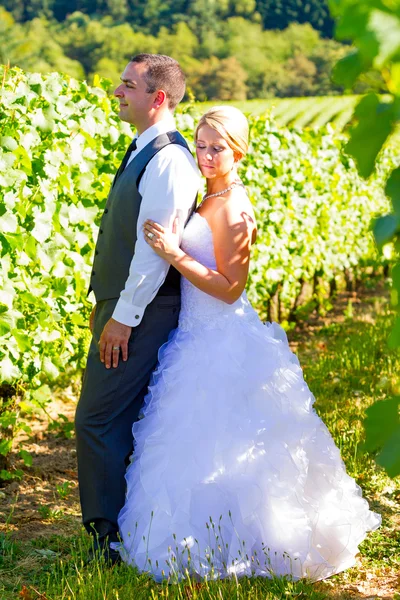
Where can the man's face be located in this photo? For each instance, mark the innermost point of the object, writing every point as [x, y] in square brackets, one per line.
[135, 103]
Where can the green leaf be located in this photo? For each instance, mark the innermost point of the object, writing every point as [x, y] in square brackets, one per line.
[393, 82]
[395, 273]
[23, 159]
[77, 319]
[347, 70]
[375, 123]
[8, 419]
[26, 457]
[392, 189]
[352, 18]
[6, 322]
[24, 341]
[5, 447]
[394, 337]
[31, 247]
[386, 28]
[9, 475]
[49, 368]
[8, 371]
[8, 223]
[389, 458]
[384, 228]
[382, 421]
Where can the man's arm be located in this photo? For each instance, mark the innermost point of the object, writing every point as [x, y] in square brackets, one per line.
[168, 188]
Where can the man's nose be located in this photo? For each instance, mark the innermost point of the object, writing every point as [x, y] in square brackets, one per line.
[118, 92]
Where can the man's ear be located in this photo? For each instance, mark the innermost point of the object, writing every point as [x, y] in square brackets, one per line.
[160, 99]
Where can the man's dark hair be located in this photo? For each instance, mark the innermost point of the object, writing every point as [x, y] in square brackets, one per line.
[163, 73]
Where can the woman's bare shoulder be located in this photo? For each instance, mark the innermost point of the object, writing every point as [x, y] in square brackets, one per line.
[235, 209]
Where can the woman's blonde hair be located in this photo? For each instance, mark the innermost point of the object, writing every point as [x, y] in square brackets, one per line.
[231, 124]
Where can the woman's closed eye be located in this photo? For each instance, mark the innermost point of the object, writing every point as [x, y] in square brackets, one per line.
[215, 148]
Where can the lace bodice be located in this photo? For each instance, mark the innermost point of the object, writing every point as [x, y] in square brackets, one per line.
[199, 308]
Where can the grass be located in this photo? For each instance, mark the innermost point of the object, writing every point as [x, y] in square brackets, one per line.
[347, 366]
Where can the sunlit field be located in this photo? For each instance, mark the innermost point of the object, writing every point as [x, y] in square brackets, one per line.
[311, 112]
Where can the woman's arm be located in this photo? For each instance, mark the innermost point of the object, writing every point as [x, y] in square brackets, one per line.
[232, 231]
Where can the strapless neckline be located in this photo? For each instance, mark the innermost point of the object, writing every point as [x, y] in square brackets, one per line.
[203, 219]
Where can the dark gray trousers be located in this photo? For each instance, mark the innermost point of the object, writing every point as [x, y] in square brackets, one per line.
[110, 403]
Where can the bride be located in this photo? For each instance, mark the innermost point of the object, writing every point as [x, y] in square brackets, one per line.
[233, 472]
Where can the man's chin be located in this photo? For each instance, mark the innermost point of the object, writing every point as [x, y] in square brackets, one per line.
[123, 114]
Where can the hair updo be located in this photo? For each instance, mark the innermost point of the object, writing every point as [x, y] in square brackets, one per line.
[231, 124]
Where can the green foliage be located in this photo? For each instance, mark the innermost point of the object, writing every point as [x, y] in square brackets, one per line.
[216, 44]
[374, 28]
[60, 144]
[150, 15]
[293, 62]
[31, 47]
[64, 490]
[278, 14]
[219, 80]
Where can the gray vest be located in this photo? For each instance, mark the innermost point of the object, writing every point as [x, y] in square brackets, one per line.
[117, 234]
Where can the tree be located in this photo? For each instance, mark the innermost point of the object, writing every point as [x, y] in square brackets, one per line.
[219, 80]
[230, 80]
[90, 41]
[258, 52]
[11, 37]
[324, 56]
[118, 9]
[109, 69]
[180, 42]
[16, 8]
[279, 14]
[301, 77]
[32, 48]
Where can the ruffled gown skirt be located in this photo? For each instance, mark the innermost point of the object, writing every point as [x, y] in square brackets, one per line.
[233, 472]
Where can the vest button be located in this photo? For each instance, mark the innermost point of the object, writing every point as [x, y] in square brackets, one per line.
[106, 210]
[101, 231]
[137, 317]
[96, 251]
[93, 272]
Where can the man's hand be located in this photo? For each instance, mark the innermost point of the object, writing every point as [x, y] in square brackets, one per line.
[91, 318]
[113, 340]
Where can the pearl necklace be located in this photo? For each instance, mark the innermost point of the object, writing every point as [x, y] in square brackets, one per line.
[238, 182]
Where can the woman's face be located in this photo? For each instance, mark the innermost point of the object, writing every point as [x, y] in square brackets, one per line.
[214, 156]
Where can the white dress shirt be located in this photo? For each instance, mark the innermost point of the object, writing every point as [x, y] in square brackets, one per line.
[168, 188]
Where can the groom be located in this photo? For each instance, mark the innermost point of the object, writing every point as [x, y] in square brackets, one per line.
[137, 295]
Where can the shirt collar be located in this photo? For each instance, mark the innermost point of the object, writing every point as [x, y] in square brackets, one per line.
[166, 124]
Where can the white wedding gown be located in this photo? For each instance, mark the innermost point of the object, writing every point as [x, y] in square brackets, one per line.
[233, 471]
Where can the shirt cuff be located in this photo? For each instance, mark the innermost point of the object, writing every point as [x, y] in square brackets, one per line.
[128, 314]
